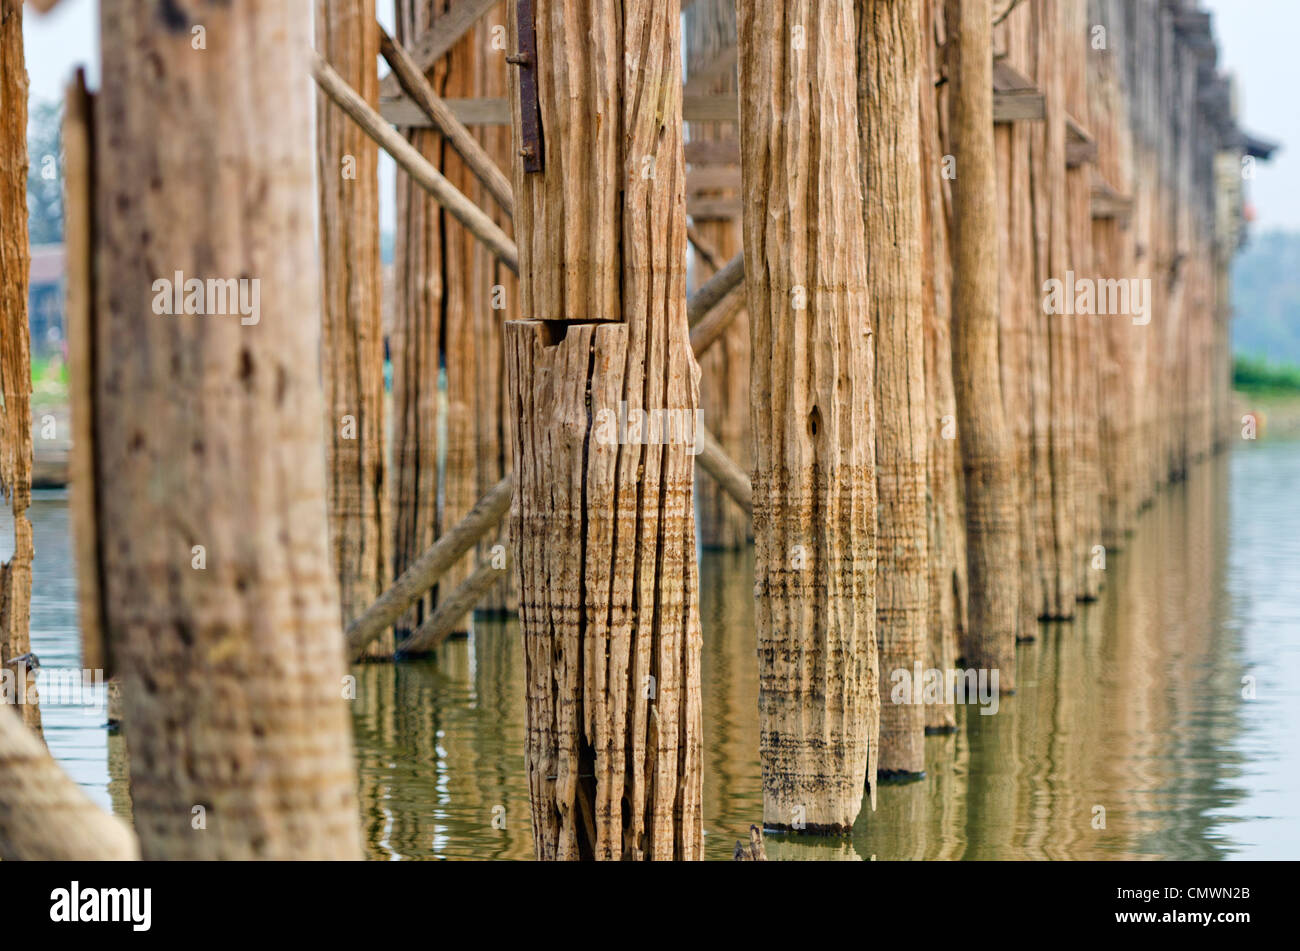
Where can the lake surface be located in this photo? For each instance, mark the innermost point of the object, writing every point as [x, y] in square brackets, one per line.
[1138, 707]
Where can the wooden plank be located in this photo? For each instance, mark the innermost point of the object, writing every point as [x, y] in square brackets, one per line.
[399, 110]
[1019, 106]
[712, 178]
[713, 152]
[713, 209]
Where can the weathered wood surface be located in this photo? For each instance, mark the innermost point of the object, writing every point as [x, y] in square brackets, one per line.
[988, 460]
[463, 295]
[498, 290]
[15, 357]
[811, 393]
[604, 529]
[1021, 340]
[415, 346]
[945, 516]
[209, 430]
[889, 67]
[352, 344]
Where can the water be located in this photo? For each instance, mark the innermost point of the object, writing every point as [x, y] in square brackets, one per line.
[1136, 707]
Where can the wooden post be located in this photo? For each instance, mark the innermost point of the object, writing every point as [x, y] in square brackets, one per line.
[992, 534]
[946, 524]
[811, 394]
[352, 346]
[603, 519]
[1020, 312]
[15, 366]
[889, 64]
[219, 595]
[415, 347]
[724, 374]
[1053, 430]
[498, 301]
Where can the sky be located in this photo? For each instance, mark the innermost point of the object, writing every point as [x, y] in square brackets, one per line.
[1256, 43]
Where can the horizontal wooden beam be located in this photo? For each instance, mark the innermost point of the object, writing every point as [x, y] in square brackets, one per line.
[713, 209]
[401, 111]
[1107, 202]
[1019, 106]
[1079, 145]
[712, 178]
[713, 152]
[398, 109]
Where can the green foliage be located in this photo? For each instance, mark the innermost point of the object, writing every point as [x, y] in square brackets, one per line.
[1258, 375]
[1266, 297]
[45, 173]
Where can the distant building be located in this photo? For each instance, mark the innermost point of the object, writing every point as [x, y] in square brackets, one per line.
[45, 299]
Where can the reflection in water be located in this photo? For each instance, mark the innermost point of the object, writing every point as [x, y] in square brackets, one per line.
[1134, 708]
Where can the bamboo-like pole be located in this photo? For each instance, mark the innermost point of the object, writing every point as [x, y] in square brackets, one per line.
[425, 571]
[415, 164]
[440, 114]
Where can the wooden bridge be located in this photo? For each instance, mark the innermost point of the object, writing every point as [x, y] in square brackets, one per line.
[946, 280]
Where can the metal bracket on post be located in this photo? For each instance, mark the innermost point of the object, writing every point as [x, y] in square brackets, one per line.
[530, 111]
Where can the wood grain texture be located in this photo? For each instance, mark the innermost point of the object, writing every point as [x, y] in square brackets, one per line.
[209, 431]
[15, 356]
[945, 516]
[1020, 330]
[812, 405]
[988, 460]
[498, 288]
[604, 527]
[1054, 424]
[889, 64]
[415, 349]
[352, 345]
